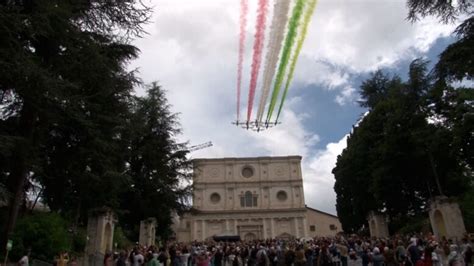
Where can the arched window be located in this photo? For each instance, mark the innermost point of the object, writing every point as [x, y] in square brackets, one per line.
[248, 200]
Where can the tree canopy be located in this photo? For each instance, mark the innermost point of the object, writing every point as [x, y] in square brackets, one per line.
[415, 141]
[403, 151]
[156, 163]
[69, 120]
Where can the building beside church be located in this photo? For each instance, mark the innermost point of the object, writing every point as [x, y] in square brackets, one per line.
[255, 198]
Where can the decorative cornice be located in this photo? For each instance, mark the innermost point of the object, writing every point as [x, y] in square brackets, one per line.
[248, 159]
[249, 211]
[263, 183]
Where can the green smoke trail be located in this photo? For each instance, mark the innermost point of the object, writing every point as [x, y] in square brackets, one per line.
[299, 45]
[285, 55]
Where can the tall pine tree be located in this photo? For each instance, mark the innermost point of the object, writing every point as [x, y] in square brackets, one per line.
[156, 163]
[63, 79]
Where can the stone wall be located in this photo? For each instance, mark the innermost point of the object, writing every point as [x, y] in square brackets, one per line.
[378, 225]
[100, 235]
[446, 219]
[259, 197]
[220, 184]
[322, 224]
[248, 225]
[147, 232]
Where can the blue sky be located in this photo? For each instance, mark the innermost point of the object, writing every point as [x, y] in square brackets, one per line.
[331, 120]
[191, 50]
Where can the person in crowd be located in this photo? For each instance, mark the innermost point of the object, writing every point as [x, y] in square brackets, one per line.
[377, 257]
[468, 256]
[365, 257]
[122, 259]
[389, 256]
[413, 251]
[108, 259]
[324, 258]
[343, 252]
[203, 258]
[300, 258]
[63, 259]
[289, 256]
[272, 256]
[138, 258]
[454, 258]
[25, 260]
[151, 260]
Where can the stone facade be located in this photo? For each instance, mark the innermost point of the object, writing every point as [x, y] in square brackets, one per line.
[378, 225]
[321, 223]
[100, 235]
[255, 198]
[446, 219]
[147, 232]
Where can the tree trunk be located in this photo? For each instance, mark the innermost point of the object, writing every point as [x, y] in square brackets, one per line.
[19, 172]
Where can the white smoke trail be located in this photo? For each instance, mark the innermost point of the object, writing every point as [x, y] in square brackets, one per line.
[277, 30]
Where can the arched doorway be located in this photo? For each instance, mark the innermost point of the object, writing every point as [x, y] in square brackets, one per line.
[250, 237]
[107, 243]
[439, 223]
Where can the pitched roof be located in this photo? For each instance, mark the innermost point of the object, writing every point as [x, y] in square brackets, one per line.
[325, 213]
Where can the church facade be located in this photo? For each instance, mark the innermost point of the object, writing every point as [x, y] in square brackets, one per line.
[255, 198]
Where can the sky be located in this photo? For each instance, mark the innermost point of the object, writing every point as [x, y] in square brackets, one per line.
[191, 50]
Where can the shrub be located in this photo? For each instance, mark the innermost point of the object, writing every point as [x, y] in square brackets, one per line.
[45, 233]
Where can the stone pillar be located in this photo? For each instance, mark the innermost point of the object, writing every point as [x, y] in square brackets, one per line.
[446, 218]
[264, 224]
[295, 220]
[147, 232]
[378, 225]
[194, 228]
[100, 236]
[236, 229]
[305, 227]
[272, 224]
[203, 230]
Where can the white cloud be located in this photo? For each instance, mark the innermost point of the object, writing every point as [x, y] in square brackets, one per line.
[366, 35]
[318, 179]
[360, 36]
[347, 94]
[275, 141]
[191, 50]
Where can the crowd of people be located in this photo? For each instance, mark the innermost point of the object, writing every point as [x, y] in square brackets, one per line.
[334, 251]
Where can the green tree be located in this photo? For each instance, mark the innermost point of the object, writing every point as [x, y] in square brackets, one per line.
[156, 163]
[45, 234]
[63, 76]
[396, 159]
[445, 10]
[424, 125]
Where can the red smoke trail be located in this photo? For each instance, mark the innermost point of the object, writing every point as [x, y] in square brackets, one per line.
[243, 24]
[257, 52]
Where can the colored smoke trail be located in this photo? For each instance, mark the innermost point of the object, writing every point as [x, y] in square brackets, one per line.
[289, 41]
[299, 45]
[243, 24]
[280, 17]
[257, 52]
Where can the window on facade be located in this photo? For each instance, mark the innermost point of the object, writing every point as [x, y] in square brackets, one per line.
[215, 198]
[332, 227]
[312, 228]
[281, 195]
[248, 200]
